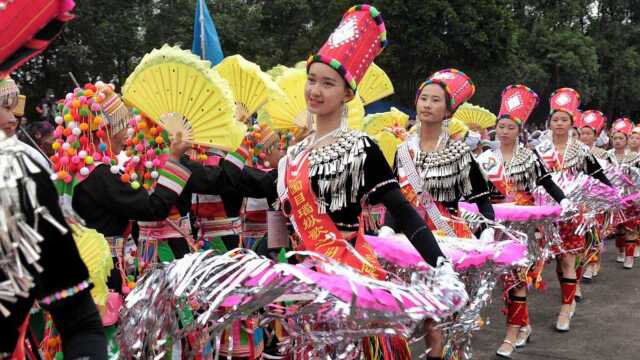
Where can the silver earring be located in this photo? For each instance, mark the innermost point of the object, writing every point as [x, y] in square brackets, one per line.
[345, 116]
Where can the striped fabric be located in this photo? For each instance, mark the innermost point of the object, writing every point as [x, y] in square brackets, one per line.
[173, 176]
[238, 157]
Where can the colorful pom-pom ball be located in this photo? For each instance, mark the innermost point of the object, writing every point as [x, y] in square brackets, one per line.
[75, 103]
[151, 153]
[53, 177]
[84, 171]
[88, 160]
[148, 164]
[135, 159]
[135, 185]
[95, 107]
[154, 174]
[153, 131]
[156, 162]
[102, 147]
[66, 146]
[130, 132]
[101, 133]
[159, 140]
[114, 169]
[75, 159]
[97, 121]
[84, 140]
[125, 178]
[68, 179]
[97, 156]
[55, 146]
[76, 131]
[139, 148]
[59, 120]
[134, 176]
[57, 133]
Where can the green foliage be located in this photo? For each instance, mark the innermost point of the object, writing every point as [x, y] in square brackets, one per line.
[590, 45]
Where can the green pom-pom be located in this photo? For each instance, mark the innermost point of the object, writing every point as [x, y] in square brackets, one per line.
[135, 185]
[374, 12]
[158, 151]
[76, 145]
[135, 111]
[83, 111]
[140, 136]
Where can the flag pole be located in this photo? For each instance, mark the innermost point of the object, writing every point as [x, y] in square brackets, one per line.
[202, 33]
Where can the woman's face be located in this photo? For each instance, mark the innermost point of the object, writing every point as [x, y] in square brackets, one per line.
[432, 104]
[634, 141]
[507, 131]
[587, 136]
[8, 121]
[619, 140]
[560, 123]
[325, 91]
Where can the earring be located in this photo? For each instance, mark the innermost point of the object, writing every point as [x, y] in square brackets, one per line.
[345, 115]
[309, 121]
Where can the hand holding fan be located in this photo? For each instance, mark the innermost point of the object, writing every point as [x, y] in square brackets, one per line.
[251, 87]
[184, 95]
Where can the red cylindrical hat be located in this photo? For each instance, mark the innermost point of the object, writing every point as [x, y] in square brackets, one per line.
[354, 44]
[457, 84]
[593, 119]
[565, 99]
[518, 102]
[622, 125]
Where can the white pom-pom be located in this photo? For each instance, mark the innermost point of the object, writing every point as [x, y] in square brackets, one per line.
[59, 120]
[114, 169]
[82, 154]
[148, 164]
[66, 146]
[84, 171]
[76, 131]
[135, 159]
[71, 125]
[134, 177]
[53, 177]
[154, 174]
[130, 132]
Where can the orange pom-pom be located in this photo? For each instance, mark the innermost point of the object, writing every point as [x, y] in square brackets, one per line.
[75, 103]
[125, 178]
[153, 131]
[142, 125]
[159, 140]
[84, 127]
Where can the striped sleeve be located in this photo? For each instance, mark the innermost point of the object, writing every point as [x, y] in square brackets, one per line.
[238, 158]
[173, 176]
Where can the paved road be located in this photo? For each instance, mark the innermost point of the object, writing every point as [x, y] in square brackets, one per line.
[606, 325]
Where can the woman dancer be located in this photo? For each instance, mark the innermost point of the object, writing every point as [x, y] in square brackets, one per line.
[563, 153]
[515, 171]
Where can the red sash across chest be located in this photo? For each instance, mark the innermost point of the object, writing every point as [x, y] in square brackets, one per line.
[317, 231]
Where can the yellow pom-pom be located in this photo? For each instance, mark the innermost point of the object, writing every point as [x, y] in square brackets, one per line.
[159, 140]
[55, 146]
[68, 117]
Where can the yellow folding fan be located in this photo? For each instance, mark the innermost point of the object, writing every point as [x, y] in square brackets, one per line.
[182, 93]
[375, 85]
[457, 129]
[475, 117]
[388, 143]
[290, 111]
[250, 85]
[375, 123]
